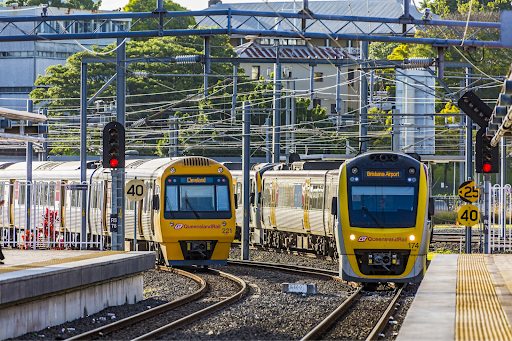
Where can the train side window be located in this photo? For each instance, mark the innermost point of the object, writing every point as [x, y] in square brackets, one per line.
[297, 196]
[239, 193]
[266, 194]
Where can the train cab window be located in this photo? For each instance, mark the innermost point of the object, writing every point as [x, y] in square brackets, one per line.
[382, 206]
[192, 197]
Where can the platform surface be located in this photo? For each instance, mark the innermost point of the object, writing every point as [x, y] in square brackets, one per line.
[28, 274]
[462, 297]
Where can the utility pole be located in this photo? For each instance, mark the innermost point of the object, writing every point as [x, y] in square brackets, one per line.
[121, 118]
[363, 108]
[246, 170]
[277, 108]
[30, 108]
[83, 153]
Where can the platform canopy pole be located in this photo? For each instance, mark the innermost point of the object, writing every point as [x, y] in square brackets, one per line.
[83, 155]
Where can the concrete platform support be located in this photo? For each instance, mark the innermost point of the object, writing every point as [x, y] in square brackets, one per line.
[20, 318]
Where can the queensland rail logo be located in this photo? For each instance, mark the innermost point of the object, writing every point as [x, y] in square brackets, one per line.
[362, 239]
[201, 226]
[178, 226]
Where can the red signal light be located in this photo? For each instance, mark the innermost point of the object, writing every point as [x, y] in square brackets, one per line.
[487, 167]
[114, 163]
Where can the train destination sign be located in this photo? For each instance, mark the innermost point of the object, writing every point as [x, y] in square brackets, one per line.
[468, 192]
[382, 174]
[469, 215]
[136, 190]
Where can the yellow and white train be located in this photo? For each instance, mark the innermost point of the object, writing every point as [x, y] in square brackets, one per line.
[373, 212]
[187, 215]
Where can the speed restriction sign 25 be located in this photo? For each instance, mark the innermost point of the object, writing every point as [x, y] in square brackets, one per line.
[135, 190]
[469, 215]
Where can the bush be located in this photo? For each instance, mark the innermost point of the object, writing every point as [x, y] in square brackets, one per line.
[445, 217]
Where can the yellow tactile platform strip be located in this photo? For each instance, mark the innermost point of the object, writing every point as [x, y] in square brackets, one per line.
[479, 315]
[57, 261]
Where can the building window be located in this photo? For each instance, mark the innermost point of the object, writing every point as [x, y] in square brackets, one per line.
[319, 76]
[255, 72]
[333, 108]
[14, 90]
[351, 77]
[317, 102]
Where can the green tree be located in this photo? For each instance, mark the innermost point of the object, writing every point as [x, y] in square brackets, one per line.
[152, 24]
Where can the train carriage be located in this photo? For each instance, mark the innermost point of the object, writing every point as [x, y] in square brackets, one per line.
[187, 214]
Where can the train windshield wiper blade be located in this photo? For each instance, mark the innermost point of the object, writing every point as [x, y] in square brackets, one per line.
[191, 207]
[372, 216]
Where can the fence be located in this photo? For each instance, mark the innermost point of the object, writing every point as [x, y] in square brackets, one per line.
[447, 203]
[53, 217]
[500, 222]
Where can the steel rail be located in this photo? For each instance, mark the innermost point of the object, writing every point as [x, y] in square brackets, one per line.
[201, 313]
[323, 326]
[374, 334]
[109, 328]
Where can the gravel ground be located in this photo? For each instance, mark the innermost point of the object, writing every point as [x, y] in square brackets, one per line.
[219, 288]
[159, 287]
[266, 313]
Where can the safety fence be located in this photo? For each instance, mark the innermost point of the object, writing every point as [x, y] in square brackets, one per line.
[500, 219]
[47, 215]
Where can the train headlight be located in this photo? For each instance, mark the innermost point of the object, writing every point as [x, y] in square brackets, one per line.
[412, 237]
[355, 170]
[352, 237]
[412, 170]
[220, 170]
[173, 170]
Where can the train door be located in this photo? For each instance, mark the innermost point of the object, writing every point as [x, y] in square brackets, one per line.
[273, 203]
[329, 194]
[305, 206]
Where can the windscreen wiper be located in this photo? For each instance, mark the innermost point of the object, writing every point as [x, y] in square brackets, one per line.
[168, 203]
[191, 207]
[372, 216]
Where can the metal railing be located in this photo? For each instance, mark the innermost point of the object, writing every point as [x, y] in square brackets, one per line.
[500, 220]
[47, 215]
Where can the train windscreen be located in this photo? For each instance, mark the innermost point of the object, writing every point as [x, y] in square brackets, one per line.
[197, 197]
[382, 206]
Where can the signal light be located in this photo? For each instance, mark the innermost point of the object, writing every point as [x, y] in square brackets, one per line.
[113, 145]
[475, 108]
[487, 158]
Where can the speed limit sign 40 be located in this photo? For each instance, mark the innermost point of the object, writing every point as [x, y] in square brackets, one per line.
[135, 190]
[469, 215]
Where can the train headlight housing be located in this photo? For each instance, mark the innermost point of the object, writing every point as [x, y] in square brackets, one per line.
[220, 170]
[352, 237]
[223, 223]
[171, 223]
[412, 237]
[354, 170]
[173, 170]
[412, 170]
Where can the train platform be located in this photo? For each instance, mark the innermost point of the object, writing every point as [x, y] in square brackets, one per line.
[462, 297]
[41, 288]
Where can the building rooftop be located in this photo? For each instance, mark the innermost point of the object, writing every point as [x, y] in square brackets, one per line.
[254, 50]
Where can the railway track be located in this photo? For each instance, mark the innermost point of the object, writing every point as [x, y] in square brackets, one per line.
[323, 327]
[103, 331]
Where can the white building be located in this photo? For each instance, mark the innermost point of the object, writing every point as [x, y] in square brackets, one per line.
[21, 62]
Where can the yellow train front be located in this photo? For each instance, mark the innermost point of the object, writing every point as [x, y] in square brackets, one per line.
[383, 222]
[196, 211]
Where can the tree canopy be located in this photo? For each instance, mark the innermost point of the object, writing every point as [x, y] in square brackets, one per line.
[80, 4]
[152, 24]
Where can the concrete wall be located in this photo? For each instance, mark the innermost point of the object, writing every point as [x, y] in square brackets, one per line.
[19, 319]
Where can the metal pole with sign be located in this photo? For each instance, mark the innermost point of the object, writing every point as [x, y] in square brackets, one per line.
[469, 193]
[135, 190]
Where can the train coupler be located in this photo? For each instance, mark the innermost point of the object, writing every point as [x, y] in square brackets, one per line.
[197, 249]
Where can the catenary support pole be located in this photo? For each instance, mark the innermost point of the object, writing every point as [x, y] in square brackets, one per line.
[83, 154]
[268, 153]
[287, 119]
[276, 143]
[487, 212]
[469, 135]
[363, 106]
[235, 93]
[173, 136]
[338, 98]
[246, 169]
[312, 84]
[121, 118]
[207, 60]
[30, 108]
[292, 118]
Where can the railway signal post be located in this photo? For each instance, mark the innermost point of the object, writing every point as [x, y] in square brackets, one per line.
[470, 194]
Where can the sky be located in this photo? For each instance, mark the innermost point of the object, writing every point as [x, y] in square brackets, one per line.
[194, 5]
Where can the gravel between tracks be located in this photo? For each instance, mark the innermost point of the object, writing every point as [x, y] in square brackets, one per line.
[159, 287]
[266, 313]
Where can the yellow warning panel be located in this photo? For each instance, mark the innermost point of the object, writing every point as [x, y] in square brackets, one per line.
[468, 191]
[479, 314]
[469, 215]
